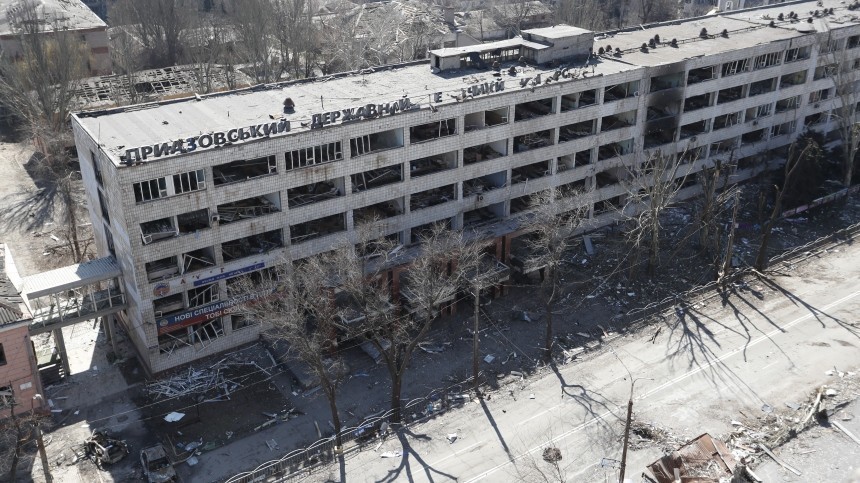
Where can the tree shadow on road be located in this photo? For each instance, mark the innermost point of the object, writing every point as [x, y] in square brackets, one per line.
[820, 315]
[404, 469]
[495, 426]
[595, 407]
[689, 337]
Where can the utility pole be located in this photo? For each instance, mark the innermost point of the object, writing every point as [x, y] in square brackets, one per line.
[41, 445]
[629, 417]
[475, 341]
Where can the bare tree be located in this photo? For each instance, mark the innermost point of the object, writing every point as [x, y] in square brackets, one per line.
[298, 307]
[590, 14]
[430, 276]
[554, 221]
[711, 206]
[211, 50]
[511, 14]
[161, 26]
[125, 55]
[651, 188]
[797, 157]
[38, 83]
[657, 10]
[254, 24]
[296, 34]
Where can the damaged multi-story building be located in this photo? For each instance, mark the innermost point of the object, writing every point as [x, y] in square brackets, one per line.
[190, 194]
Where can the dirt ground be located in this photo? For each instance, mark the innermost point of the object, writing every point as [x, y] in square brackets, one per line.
[31, 214]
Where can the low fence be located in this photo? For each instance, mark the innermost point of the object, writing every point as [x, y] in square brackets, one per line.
[635, 317]
[299, 463]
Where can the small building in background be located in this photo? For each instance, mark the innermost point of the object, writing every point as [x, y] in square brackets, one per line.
[19, 375]
[70, 15]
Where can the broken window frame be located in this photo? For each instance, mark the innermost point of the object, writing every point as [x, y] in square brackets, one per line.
[189, 182]
[770, 59]
[7, 397]
[783, 129]
[361, 145]
[792, 102]
[735, 67]
[151, 189]
[796, 54]
[448, 126]
[203, 295]
[314, 155]
[187, 260]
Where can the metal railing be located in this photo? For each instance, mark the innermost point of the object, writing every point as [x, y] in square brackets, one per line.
[299, 463]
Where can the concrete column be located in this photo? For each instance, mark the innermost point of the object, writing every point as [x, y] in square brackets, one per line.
[108, 322]
[61, 347]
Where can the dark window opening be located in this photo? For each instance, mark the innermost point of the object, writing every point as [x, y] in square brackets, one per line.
[312, 193]
[484, 152]
[378, 211]
[162, 268]
[576, 100]
[432, 130]
[245, 169]
[197, 260]
[533, 109]
[376, 178]
[621, 91]
[192, 221]
[694, 129]
[249, 208]
[701, 74]
[432, 164]
[535, 140]
[576, 130]
[432, 197]
[479, 186]
[529, 172]
[730, 94]
[697, 102]
[252, 245]
[380, 141]
[618, 121]
[320, 227]
[668, 81]
[762, 87]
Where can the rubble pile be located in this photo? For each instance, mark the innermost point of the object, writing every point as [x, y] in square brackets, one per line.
[214, 383]
[751, 437]
[645, 435]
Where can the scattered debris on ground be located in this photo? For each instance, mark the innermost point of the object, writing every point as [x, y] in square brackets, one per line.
[214, 383]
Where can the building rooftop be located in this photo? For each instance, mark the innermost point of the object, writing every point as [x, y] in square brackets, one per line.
[144, 125]
[73, 276]
[11, 303]
[558, 31]
[72, 14]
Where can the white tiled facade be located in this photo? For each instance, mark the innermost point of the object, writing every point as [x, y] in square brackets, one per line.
[739, 137]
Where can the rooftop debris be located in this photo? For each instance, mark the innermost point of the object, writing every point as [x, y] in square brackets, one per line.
[705, 458]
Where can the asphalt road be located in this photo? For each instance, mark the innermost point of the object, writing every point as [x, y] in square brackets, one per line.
[721, 361]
